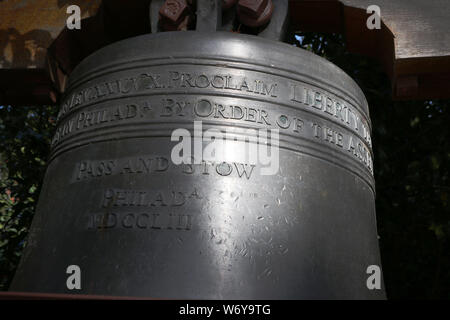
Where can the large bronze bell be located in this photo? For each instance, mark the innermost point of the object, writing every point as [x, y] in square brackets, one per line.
[115, 204]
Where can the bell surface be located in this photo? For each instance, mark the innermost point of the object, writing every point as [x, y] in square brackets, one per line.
[297, 223]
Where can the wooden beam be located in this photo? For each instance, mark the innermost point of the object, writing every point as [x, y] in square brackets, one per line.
[413, 41]
[28, 29]
[37, 51]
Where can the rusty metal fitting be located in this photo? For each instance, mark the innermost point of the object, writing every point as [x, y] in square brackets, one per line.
[227, 4]
[175, 15]
[254, 13]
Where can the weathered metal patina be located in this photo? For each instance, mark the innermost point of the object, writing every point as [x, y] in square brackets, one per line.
[115, 204]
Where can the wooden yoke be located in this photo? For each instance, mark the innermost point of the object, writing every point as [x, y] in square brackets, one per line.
[413, 44]
[38, 52]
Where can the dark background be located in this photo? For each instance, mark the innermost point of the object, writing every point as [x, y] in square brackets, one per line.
[412, 161]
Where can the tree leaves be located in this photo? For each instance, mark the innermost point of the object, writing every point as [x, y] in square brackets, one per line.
[25, 134]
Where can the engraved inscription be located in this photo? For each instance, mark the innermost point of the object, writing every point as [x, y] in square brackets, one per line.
[144, 220]
[213, 109]
[333, 107]
[169, 80]
[298, 113]
[155, 209]
[205, 108]
[192, 80]
[175, 80]
[146, 198]
[90, 169]
[93, 118]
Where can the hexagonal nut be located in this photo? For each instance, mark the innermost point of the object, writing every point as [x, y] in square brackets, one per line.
[252, 8]
[174, 10]
[261, 20]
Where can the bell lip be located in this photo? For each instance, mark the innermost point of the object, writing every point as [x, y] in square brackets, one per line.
[188, 42]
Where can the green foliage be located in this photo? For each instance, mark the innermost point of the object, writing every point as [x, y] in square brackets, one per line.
[411, 143]
[25, 134]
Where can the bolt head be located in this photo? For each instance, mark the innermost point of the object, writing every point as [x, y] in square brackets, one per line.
[174, 10]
